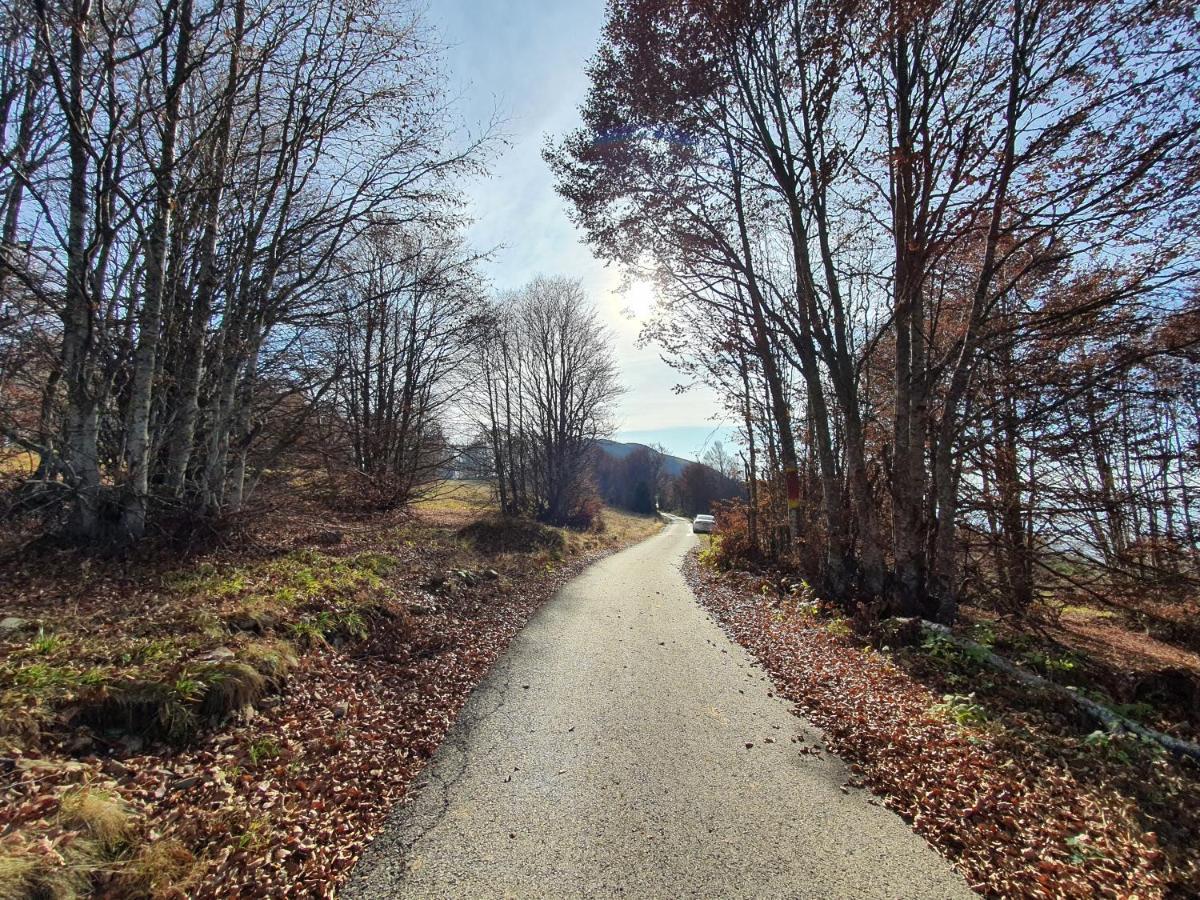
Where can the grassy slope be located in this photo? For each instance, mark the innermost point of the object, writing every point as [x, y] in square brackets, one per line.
[258, 709]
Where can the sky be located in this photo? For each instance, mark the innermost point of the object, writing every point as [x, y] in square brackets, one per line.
[524, 61]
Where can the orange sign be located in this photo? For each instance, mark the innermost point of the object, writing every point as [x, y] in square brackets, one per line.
[793, 488]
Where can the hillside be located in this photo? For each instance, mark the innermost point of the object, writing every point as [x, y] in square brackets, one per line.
[672, 465]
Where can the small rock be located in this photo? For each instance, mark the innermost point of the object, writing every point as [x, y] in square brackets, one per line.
[80, 743]
[749, 745]
[13, 623]
[132, 743]
[184, 783]
[490, 574]
[115, 768]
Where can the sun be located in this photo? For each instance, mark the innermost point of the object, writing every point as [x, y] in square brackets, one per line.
[639, 299]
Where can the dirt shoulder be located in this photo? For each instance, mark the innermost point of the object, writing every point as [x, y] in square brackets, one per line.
[241, 722]
[1024, 797]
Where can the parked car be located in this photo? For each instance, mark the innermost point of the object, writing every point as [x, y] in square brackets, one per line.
[703, 524]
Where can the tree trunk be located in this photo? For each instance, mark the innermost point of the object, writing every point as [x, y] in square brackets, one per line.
[137, 440]
[190, 379]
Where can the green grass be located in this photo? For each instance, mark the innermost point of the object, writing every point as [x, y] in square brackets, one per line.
[264, 748]
[961, 709]
[45, 644]
[298, 577]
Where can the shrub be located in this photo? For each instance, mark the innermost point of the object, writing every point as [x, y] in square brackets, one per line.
[586, 516]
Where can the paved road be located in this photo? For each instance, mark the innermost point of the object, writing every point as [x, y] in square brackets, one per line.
[605, 756]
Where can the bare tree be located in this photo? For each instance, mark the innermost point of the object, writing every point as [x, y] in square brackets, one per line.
[877, 198]
[412, 311]
[550, 382]
[182, 183]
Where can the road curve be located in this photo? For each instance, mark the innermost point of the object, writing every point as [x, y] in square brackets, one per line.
[606, 756]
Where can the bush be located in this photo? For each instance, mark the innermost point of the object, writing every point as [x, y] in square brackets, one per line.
[730, 547]
[586, 516]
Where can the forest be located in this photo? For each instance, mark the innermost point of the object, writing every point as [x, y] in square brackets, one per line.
[940, 260]
[302, 478]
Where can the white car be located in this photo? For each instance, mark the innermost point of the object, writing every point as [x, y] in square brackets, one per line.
[703, 524]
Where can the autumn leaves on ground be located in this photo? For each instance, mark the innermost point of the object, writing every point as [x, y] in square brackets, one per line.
[1025, 795]
[240, 722]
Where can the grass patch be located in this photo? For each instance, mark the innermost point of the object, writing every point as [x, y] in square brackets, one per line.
[264, 748]
[18, 462]
[1086, 612]
[299, 577]
[26, 874]
[499, 534]
[99, 815]
[161, 868]
[961, 709]
[45, 644]
[273, 659]
[618, 529]
[229, 687]
[460, 495]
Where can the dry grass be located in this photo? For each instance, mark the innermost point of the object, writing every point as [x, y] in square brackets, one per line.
[457, 496]
[18, 875]
[163, 867]
[229, 687]
[620, 529]
[27, 873]
[98, 814]
[18, 462]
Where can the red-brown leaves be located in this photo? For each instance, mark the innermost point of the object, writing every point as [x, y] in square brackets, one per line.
[1015, 824]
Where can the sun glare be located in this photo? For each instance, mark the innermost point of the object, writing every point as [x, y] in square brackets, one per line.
[639, 299]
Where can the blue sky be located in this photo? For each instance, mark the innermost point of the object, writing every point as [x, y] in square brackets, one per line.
[525, 61]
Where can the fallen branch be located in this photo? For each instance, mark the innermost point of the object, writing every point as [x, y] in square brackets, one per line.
[1100, 713]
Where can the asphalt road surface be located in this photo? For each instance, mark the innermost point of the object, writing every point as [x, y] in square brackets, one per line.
[606, 756]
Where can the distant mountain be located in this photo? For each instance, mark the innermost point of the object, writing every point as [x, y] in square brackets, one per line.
[672, 465]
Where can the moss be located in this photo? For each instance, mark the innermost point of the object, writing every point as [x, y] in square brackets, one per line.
[273, 659]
